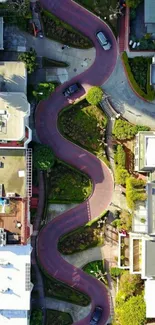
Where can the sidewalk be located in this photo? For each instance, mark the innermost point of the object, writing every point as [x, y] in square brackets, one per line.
[77, 312]
[79, 60]
[125, 100]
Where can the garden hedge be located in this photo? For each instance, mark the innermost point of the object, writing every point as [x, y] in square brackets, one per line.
[151, 94]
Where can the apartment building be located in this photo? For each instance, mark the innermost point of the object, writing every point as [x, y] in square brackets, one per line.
[15, 193]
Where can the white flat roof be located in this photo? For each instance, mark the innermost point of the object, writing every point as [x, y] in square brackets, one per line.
[150, 298]
[149, 151]
[15, 277]
[14, 108]
[9, 317]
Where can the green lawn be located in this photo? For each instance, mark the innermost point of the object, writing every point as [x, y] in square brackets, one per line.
[87, 236]
[36, 317]
[55, 317]
[101, 8]
[67, 185]
[85, 125]
[61, 291]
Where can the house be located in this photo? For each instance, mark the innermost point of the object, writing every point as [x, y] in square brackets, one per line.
[149, 16]
[15, 194]
[144, 151]
[15, 286]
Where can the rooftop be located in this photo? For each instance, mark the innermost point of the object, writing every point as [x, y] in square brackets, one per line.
[149, 258]
[13, 172]
[13, 317]
[150, 298]
[13, 77]
[149, 151]
[15, 286]
[14, 108]
[12, 216]
[149, 11]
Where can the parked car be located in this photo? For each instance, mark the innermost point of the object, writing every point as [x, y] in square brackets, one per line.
[96, 316]
[37, 30]
[103, 41]
[69, 91]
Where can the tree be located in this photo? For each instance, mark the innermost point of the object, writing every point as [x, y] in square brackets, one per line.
[94, 95]
[43, 90]
[19, 7]
[43, 157]
[130, 284]
[121, 175]
[124, 130]
[132, 312]
[133, 3]
[124, 221]
[29, 58]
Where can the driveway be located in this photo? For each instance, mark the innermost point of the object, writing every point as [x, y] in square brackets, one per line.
[46, 124]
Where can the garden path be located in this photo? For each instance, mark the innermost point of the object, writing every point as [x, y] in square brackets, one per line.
[77, 312]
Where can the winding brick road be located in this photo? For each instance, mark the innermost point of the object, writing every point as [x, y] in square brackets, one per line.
[46, 124]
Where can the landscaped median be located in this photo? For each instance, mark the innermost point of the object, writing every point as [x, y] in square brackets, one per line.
[87, 236]
[62, 32]
[138, 74]
[67, 185]
[85, 124]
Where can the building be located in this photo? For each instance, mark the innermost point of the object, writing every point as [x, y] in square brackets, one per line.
[149, 16]
[144, 151]
[140, 242]
[15, 193]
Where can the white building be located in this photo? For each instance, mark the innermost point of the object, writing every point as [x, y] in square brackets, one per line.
[15, 284]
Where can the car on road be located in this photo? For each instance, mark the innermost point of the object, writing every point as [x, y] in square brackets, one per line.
[96, 316]
[106, 45]
[69, 91]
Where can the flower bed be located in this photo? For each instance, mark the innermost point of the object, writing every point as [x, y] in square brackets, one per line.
[85, 125]
[90, 235]
[60, 31]
[67, 185]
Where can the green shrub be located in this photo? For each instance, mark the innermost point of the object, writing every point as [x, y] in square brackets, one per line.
[48, 63]
[120, 156]
[85, 125]
[94, 95]
[148, 96]
[36, 317]
[124, 221]
[43, 157]
[125, 314]
[121, 175]
[43, 90]
[124, 130]
[130, 284]
[135, 191]
[67, 185]
[29, 58]
[133, 3]
[115, 271]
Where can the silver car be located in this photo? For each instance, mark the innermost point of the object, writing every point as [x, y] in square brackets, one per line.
[103, 41]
